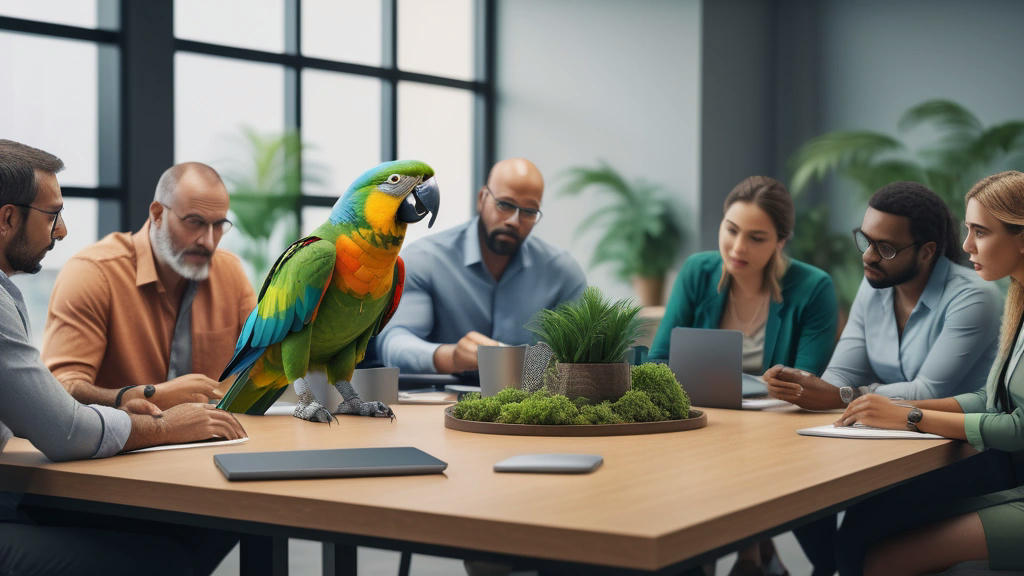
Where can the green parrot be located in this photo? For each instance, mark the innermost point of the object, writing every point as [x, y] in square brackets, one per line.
[329, 293]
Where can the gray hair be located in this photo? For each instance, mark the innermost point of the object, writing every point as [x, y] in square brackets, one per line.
[18, 165]
[168, 182]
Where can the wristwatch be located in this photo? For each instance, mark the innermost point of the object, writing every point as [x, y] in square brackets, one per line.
[149, 390]
[914, 418]
[847, 394]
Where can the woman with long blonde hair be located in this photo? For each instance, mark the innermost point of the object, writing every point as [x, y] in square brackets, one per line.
[988, 526]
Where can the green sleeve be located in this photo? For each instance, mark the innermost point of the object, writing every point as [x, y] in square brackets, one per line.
[972, 401]
[818, 330]
[999, 430]
[678, 311]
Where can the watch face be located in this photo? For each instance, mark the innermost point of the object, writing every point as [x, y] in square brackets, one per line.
[846, 394]
[149, 390]
[915, 415]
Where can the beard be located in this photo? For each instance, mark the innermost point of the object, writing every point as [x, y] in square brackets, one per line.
[163, 247]
[20, 257]
[501, 242]
[894, 279]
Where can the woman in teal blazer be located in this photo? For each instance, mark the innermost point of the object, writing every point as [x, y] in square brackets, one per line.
[792, 302]
[786, 309]
[987, 527]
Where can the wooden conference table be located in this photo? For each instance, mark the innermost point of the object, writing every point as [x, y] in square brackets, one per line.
[660, 502]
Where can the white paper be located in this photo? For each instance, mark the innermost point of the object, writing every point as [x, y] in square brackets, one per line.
[280, 409]
[191, 445]
[763, 403]
[861, 431]
[426, 398]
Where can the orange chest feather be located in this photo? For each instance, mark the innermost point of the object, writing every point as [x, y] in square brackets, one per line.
[363, 269]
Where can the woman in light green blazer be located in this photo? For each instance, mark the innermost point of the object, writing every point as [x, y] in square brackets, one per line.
[988, 527]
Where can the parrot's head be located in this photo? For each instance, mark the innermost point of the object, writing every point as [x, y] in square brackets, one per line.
[389, 196]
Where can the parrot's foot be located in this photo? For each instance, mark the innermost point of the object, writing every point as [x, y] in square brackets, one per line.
[357, 406]
[311, 410]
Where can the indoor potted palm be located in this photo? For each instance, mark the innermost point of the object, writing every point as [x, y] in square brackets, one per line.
[589, 338]
[642, 233]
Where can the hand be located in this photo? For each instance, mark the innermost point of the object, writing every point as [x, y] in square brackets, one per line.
[191, 422]
[875, 410]
[183, 423]
[801, 388]
[461, 356]
[181, 390]
[140, 406]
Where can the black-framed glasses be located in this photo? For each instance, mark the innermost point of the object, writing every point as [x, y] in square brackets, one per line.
[885, 250]
[56, 214]
[197, 225]
[508, 208]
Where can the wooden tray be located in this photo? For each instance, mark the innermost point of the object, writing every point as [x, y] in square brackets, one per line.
[697, 419]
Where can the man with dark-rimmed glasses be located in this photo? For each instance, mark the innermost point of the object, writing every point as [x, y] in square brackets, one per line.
[152, 315]
[921, 325]
[478, 284]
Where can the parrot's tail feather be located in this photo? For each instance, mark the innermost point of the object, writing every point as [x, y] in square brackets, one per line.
[255, 389]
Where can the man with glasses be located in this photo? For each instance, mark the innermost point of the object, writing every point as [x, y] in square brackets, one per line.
[478, 284]
[152, 315]
[921, 325]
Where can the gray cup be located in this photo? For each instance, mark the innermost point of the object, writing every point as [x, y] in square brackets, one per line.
[376, 384]
[500, 367]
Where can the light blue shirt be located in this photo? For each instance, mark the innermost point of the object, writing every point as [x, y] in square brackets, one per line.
[449, 292]
[947, 346]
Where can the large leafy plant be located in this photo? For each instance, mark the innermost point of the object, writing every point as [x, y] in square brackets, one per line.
[592, 329]
[641, 232]
[956, 150]
[265, 186]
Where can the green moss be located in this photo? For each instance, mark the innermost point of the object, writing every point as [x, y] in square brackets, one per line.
[636, 406]
[510, 413]
[478, 409]
[598, 414]
[509, 395]
[660, 384]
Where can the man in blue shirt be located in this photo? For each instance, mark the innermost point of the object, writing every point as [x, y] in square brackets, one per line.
[480, 283]
[921, 326]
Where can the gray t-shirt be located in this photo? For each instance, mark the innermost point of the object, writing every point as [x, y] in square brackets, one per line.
[33, 405]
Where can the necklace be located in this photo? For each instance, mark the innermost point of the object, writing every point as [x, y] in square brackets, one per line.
[745, 325]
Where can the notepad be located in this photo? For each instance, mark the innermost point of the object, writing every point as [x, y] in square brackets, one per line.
[861, 431]
[198, 444]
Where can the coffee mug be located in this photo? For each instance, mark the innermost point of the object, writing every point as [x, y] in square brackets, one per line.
[500, 367]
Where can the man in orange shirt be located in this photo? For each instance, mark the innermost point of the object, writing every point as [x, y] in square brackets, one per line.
[154, 314]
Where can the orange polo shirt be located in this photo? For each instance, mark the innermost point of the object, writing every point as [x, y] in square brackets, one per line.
[111, 322]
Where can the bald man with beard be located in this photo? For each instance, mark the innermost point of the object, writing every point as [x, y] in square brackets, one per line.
[480, 283]
[152, 315]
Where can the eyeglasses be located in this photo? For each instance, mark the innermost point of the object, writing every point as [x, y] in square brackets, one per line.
[197, 225]
[885, 250]
[508, 208]
[55, 214]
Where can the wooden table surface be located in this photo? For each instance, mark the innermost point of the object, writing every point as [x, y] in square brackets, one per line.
[657, 500]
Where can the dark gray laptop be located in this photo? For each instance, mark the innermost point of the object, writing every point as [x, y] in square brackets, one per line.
[709, 365]
[341, 462]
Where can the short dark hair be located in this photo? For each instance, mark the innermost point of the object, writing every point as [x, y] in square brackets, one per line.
[930, 219]
[18, 165]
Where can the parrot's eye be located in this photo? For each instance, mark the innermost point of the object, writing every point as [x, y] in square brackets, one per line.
[394, 178]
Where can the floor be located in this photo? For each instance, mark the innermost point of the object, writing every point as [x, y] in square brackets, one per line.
[304, 560]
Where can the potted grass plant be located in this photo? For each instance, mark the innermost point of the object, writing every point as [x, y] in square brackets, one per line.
[589, 338]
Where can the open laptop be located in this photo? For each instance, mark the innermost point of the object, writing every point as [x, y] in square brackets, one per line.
[709, 365]
[341, 462]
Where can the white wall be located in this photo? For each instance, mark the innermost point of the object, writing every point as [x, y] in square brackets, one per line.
[583, 80]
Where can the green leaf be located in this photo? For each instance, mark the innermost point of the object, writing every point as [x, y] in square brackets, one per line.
[837, 151]
[944, 114]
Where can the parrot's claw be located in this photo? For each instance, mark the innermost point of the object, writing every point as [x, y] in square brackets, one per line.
[311, 410]
[362, 408]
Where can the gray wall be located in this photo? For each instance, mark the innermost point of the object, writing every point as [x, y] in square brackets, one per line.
[582, 80]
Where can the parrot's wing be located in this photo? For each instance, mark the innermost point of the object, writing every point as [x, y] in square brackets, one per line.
[288, 301]
[397, 285]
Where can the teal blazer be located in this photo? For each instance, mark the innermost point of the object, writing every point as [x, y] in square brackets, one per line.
[800, 332]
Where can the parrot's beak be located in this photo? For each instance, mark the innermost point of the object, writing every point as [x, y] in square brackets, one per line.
[423, 198]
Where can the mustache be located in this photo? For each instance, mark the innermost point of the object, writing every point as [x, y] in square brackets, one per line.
[874, 266]
[510, 234]
[198, 252]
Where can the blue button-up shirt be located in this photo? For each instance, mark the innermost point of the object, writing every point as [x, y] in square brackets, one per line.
[449, 291]
[947, 346]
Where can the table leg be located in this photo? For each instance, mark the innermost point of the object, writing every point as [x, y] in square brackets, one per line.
[339, 559]
[264, 555]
